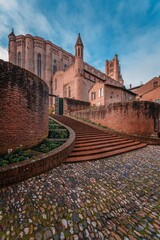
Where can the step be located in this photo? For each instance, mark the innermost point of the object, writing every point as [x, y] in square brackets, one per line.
[99, 136]
[101, 150]
[82, 134]
[101, 145]
[94, 143]
[90, 140]
[105, 155]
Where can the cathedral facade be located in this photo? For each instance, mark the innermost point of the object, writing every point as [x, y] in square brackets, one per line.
[66, 75]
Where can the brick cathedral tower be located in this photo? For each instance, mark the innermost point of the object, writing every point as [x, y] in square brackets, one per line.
[112, 69]
[79, 70]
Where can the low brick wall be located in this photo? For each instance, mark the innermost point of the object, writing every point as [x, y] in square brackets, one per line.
[71, 105]
[132, 118]
[21, 171]
[148, 140]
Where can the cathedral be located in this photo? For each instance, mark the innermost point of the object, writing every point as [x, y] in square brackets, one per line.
[66, 75]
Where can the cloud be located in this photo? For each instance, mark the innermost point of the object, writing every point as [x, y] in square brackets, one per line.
[141, 61]
[24, 18]
[3, 54]
[107, 27]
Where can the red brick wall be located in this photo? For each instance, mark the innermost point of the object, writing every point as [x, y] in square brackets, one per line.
[23, 108]
[135, 118]
[70, 105]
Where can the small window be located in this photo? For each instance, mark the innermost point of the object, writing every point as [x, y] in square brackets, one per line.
[111, 64]
[55, 84]
[155, 84]
[65, 67]
[39, 65]
[100, 92]
[69, 91]
[93, 95]
[54, 68]
[19, 58]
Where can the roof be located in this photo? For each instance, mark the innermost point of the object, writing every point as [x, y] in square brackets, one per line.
[79, 40]
[114, 86]
[126, 90]
[135, 87]
[12, 33]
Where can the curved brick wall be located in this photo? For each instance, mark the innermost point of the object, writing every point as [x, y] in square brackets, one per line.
[20, 171]
[23, 108]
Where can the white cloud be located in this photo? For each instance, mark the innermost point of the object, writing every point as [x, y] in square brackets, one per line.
[104, 31]
[24, 18]
[142, 62]
[3, 54]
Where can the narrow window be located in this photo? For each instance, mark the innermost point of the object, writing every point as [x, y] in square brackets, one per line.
[69, 91]
[39, 65]
[54, 66]
[55, 84]
[64, 67]
[19, 58]
[78, 52]
[93, 95]
[100, 92]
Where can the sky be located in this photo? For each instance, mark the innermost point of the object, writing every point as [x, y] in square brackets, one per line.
[129, 28]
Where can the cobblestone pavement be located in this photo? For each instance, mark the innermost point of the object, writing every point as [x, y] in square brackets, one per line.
[115, 198]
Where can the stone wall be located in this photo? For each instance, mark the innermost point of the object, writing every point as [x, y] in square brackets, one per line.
[71, 105]
[23, 108]
[135, 118]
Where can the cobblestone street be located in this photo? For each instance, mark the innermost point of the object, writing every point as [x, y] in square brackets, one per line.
[114, 198]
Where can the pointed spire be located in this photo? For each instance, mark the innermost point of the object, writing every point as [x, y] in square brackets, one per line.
[79, 40]
[12, 33]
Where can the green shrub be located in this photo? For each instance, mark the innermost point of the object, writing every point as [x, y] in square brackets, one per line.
[17, 156]
[47, 145]
[58, 133]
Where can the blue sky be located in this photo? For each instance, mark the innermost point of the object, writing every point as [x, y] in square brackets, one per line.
[130, 28]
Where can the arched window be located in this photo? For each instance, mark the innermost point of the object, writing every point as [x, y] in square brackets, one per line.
[39, 65]
[54, 66]
[69, 91]
[19, 58]
[78, 52]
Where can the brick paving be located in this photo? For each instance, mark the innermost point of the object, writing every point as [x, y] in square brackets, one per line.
[114, 198]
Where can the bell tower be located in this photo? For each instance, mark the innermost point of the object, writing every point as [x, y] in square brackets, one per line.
[80, 86]
[79, 56]
[12, 47]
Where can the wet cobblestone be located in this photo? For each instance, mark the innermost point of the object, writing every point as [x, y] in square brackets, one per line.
[115, 198]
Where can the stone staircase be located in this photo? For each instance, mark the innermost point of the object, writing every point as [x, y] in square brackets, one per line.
[94, 144]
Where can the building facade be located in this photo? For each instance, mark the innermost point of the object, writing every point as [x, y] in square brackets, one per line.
[149, 91]
[104, 94]
[66, 75]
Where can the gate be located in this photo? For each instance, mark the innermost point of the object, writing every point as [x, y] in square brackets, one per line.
[59, 106]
